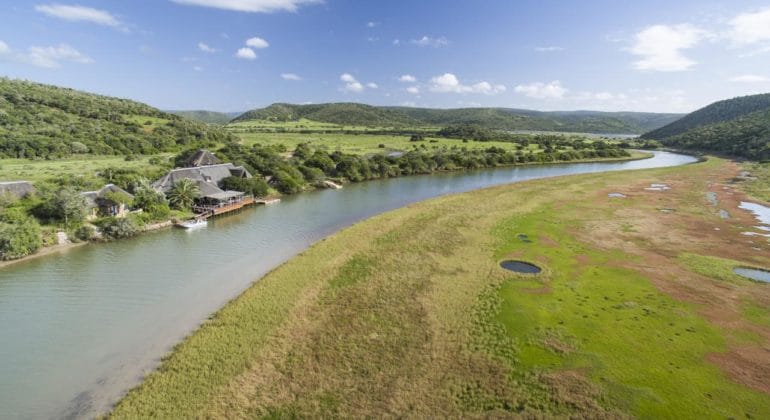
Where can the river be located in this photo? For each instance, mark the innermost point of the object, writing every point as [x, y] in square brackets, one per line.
[78, 329]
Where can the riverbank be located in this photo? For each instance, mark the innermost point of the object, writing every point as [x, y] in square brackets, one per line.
[408, 313]
[57, 248]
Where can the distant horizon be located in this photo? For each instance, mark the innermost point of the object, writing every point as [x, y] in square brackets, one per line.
[228, 56]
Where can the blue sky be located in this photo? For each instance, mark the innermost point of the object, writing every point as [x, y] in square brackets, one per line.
[234, 55]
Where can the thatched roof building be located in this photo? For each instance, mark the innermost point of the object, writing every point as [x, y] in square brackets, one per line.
[212, 175]
[202, 158]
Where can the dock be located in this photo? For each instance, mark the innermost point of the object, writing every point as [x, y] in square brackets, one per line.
[205, 212]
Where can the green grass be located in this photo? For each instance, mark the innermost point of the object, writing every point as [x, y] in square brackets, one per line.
[760, 187]
[39, 170]
[409, 315]
[646, 349]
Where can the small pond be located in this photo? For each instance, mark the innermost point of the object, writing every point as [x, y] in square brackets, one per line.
[520, 267]
[754, 274]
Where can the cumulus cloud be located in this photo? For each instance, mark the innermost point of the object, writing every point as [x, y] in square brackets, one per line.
[749, 78]
[51, 57]
[414, 90]
[660, 47]
[257, 42]
[407, 78]
[353, 85]
[197, 68]
[372, 24]
[251, 6]
[396, 42]
[246, 54]
[290, 76]
[206, 48]
[449, 83]
[540, 90]
[549, 49]
[750, 28]
[79, 14]
[4, 48]
[427, 41]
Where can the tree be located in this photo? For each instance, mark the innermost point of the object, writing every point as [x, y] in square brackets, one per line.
[183, 194]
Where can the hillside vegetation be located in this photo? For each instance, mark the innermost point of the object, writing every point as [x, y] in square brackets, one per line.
[42, 121]
[208, 117]
[718, 112]
[494, 118]
[739, 127]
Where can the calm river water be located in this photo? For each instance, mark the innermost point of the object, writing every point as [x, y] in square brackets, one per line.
[78, 329]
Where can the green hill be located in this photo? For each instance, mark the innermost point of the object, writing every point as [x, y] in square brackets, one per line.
[207, 117]
[494, 118]
[738, 127]
[42, 121]
[747, 136]
[718, 112]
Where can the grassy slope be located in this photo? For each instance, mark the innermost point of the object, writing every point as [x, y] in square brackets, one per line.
[409, 314]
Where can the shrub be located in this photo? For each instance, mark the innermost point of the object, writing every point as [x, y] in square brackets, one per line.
[85, 233]
[19, 235]
[114, 228]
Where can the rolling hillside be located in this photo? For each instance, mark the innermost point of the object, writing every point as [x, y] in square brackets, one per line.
[738, 127]
[207, 117]
[718, 112]
[495, 118]
[43, 121]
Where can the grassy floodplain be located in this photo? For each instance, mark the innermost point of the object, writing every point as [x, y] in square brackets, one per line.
[409, 314]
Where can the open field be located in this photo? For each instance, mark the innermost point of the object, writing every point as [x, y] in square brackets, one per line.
[409, 314]
[38, 170]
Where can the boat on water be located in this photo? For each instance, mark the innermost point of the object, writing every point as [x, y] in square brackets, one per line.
[192, 224]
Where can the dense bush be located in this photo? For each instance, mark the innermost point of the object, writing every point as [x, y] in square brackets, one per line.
[255, 186]
[19, 235]
[118, 228]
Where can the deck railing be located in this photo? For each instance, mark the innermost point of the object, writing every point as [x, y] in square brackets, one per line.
[225, 205]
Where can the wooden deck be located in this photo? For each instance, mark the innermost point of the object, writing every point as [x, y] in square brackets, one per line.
[204, 212]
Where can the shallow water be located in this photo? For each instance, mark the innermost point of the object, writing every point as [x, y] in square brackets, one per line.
[520, 267]
[758, 275]
[78, 329]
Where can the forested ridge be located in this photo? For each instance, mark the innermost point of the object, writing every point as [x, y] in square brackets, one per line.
[353, 114]
[43, 121]
[738, 127]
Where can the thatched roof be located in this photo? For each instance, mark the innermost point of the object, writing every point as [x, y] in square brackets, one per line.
[18, 189]
[209, 174]
[95, 198]
[202, 158]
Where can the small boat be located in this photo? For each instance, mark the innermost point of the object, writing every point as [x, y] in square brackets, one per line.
[193, 224]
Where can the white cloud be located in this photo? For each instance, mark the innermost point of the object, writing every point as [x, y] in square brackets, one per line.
[252, 6]
[427, 41]
[257, 42]
[449, 83]
[660, 47]
[396, 42]
[407, 78]
[372, 24]
[290, 76]
[414, 90]
[749, 78]
[411, 104]
[549, 49]
[77, 13]
[540, 90]
[750, 28]
[51, 57]
[197, 68]
[353, 85]
[4, 48]
[246, 54]
[206, 48]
